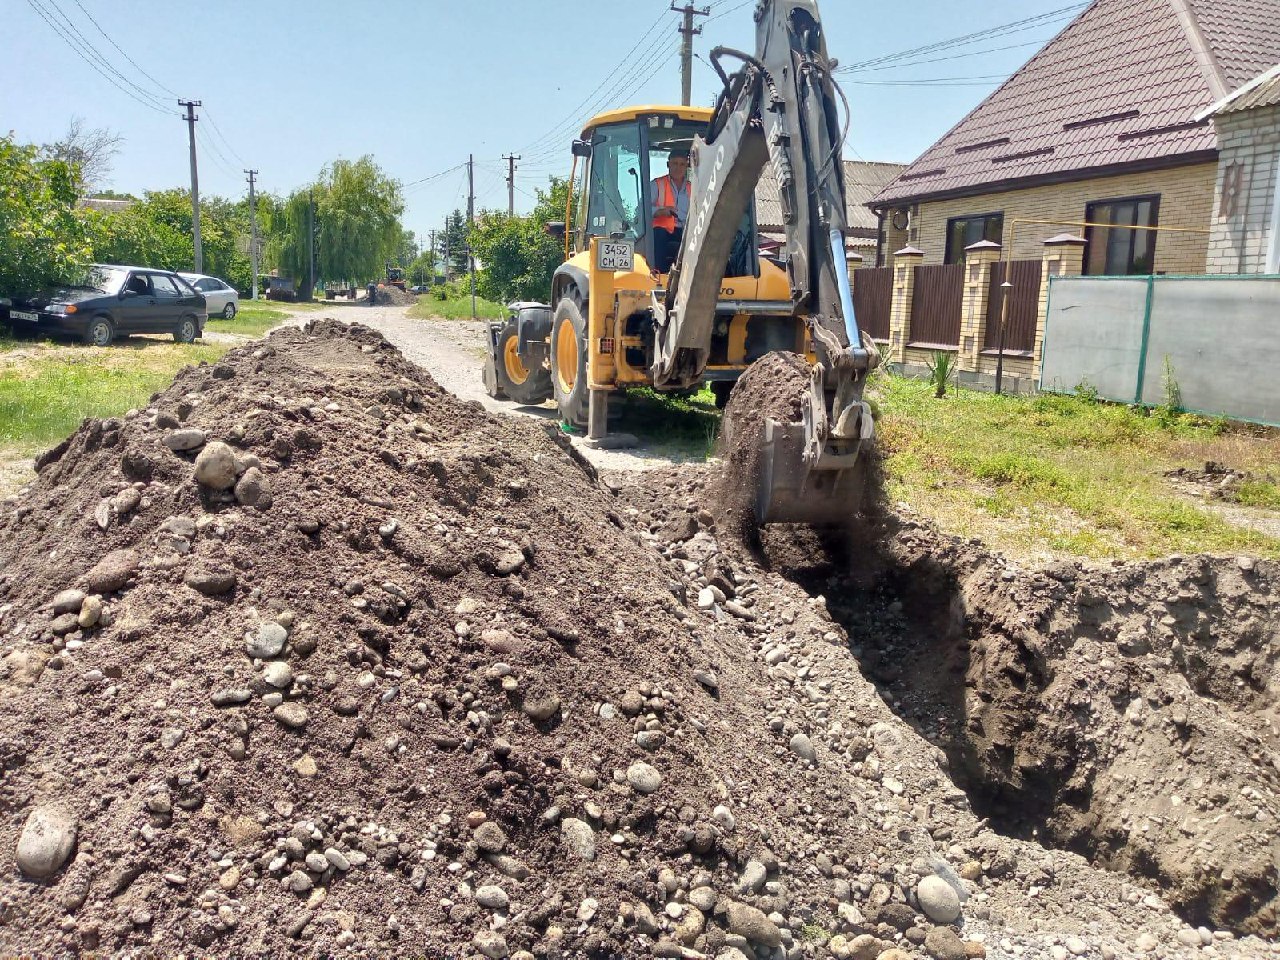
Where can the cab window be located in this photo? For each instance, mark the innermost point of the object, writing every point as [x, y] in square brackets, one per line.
[615, 183]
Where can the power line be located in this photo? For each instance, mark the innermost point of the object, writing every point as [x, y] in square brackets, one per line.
[1015, 26]
[218, 130]
[66, 38]
[122, 53]
[93, 52]
[725, 13]
[576, 112]
[954, 56]
[215, 154]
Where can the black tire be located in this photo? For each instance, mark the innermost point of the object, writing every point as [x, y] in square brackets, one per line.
[229, 311]
[187, 330]
[100, 332]
[721, 389]
[569, 344]
[518, 383]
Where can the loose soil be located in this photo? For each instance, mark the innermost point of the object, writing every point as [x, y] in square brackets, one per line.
[404, 677]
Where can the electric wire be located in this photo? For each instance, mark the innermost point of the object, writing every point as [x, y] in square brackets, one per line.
[122, 53]
[568, 122]
[218, 131]
[66, 38]
[93, 51]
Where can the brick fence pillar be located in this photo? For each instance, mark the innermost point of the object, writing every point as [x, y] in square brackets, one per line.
[905, 262]
[979, 260]
[1063, 257]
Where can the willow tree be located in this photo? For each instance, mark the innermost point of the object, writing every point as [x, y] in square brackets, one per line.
[354, 209]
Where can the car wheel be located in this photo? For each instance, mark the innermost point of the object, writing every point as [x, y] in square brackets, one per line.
[100, 332]
[187, 330]
[229, 312]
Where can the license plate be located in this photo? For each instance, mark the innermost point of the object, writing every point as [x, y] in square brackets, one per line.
[615, 255]
[24, 315]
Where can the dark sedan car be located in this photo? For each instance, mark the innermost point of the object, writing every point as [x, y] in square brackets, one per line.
[107, 301]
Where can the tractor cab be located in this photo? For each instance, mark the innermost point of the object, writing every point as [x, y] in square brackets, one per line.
[625, 152]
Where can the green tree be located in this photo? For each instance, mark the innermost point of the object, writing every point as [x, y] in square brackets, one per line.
[519, 257]
[42, 240]
[452, 243]
[357, 211]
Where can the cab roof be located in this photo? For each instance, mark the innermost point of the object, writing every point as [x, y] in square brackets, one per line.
[624, 114]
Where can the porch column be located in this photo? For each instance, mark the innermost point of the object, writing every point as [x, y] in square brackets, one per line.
[1063, 257]
[905, 262]
[979, 260]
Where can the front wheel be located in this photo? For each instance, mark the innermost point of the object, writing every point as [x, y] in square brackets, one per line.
[100, 332]
[519, 383]
[229, 312]
[721, 389]
[187, 330]
[569, 362]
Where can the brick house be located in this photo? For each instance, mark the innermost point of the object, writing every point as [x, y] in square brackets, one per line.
[1105, 124]
[1245, 234]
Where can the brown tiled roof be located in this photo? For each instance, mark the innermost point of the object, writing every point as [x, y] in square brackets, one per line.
[1262, 91]
[1121, 85]
[862, 181]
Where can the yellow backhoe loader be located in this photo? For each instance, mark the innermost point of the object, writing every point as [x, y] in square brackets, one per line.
[620, 315]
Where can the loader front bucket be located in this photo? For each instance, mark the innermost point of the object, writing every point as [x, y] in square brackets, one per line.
[826, 490]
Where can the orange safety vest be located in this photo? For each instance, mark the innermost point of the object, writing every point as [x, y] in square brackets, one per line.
[667, 198]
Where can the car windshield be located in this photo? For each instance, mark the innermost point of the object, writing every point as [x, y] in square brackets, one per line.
[102, 279]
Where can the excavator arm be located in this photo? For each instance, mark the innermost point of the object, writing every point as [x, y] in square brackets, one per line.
[779, 107]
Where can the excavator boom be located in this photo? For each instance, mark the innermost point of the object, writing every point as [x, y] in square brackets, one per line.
[779, 107]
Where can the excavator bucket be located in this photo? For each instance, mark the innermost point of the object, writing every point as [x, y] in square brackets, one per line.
[795, 487]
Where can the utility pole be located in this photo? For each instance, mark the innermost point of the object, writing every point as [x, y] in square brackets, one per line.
[511, 184]
[311, 243]
[432, 261]
[195, 180]
[688, 32]
[471, 219]
[253, 231]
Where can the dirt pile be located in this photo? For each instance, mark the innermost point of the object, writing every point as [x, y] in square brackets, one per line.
[389, 296]
[395, 676]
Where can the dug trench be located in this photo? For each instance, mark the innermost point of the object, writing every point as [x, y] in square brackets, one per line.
[1125, 712]
[309, 657]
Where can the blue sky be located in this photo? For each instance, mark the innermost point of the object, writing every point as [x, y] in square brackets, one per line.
[291, 84]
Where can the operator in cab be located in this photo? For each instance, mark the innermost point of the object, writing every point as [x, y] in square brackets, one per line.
[669, 203]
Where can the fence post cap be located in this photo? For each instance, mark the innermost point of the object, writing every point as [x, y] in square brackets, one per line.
[909, 251]
[981, 245]
[1065, 240]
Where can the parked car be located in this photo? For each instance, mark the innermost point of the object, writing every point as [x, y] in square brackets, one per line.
[107, 301]
[220, 296]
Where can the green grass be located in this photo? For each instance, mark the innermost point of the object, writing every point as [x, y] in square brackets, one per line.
[455, 308]
[251, 320]
[1065, 474]
[1258, 493]
[44, 399]
[684, 425]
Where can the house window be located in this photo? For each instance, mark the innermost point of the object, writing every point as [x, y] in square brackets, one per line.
[1114, 251]
[965, 231]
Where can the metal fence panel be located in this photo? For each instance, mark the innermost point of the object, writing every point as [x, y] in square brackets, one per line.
[1024, 306]
[936, 305]
[1093, 333]
[873, 299]
[1222, 340]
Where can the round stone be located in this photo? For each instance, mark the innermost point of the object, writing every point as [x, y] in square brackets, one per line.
[938, 899]
[216, 466]
[643, 778]
[278, 673]
[492, 897]
[267, 642]
[46, 842]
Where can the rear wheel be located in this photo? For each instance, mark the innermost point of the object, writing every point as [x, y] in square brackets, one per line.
[100, 332]
[229, 311]
[187, 330]
[519, 383]
[569, 361]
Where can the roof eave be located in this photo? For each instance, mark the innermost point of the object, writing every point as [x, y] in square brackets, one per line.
[1046, 179]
